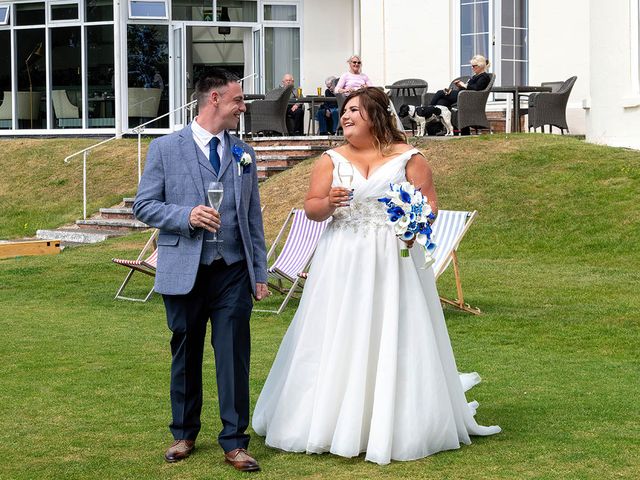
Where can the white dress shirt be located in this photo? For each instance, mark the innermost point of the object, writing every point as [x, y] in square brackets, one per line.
[202, 138]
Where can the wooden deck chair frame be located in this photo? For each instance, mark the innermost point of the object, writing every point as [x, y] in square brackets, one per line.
[140, 264]
[277, 278]
[452, 257]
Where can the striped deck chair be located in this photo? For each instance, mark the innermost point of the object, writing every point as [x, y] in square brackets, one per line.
[295, 256]
[448, 231]
[145, 264]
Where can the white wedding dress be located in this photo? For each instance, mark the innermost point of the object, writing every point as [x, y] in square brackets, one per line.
[366, 364]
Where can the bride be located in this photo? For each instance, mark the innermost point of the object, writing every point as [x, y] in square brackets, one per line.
[366, 364]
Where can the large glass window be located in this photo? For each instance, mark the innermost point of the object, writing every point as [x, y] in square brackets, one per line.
[505, 21]
[514, 56]
[5, 81]
[192, 10]
[282, 54]
[148, 9]
[474, 32]
[66, 67]
[4, 14]
[31, 66]
[237, 11]
[98, 10]
[100, 70]
[280, 13]
[29, 13]
[148, 74]
[226, 10]
[63, 11]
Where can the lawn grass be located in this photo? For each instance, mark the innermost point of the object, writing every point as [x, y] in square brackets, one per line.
[39, 191]
[551, 260]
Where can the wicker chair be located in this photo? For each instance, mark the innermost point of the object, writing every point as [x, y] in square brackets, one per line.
[408, 96]
[470, 109]
[340, 98]
[428, 96]
[550, 108]
[269, 115]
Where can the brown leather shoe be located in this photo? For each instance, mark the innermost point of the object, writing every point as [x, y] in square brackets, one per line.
[241, 460]
[179, 450]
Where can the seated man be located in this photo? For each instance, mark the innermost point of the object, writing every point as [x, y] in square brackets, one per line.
[295, 111]
[327, 114]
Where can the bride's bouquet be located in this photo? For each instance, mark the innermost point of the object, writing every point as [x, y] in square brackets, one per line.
[411, 217]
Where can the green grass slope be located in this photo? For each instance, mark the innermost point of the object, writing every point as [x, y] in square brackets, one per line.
[39, 191]
[552, 261]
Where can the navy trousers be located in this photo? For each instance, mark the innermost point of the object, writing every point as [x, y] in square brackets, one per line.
[222, 294]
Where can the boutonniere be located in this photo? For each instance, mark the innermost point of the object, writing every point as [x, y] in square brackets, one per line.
[241, 157]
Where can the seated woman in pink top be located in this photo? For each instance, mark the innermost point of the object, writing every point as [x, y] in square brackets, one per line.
[353, 79]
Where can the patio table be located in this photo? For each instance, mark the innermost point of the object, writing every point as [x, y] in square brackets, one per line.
[312, 100]
[406, 90]
[516, 91]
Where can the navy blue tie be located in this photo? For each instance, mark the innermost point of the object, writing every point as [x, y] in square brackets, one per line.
[214, 158]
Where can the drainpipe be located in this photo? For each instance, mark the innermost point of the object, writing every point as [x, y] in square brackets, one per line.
[357, 47]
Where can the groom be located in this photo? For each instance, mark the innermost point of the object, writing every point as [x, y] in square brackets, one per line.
[200, 279]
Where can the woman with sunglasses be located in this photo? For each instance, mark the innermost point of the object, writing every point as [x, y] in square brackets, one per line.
[479, 81]
[354, 78]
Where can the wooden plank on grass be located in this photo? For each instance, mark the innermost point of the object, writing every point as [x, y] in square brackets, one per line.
[29, 247]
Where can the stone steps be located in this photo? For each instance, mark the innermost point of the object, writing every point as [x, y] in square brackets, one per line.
[277, 154]
[117, 213]
[113, 224]
[73, 235]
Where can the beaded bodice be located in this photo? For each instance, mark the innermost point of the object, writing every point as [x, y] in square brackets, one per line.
[367, 213]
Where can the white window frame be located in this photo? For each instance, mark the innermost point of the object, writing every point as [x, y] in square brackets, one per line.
[5, 21]
[63, 2]
[145, 17]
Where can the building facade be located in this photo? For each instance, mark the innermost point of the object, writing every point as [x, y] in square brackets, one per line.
[105, 66]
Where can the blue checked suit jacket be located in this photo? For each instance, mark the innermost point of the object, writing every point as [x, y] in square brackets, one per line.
[171, 186]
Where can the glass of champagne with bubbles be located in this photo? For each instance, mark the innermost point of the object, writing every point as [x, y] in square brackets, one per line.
[345, 175]
[215, 192]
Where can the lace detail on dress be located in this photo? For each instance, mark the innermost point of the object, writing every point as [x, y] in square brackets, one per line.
[366, 216]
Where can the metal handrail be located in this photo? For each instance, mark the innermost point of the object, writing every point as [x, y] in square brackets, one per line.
[135, 130]
[139, 129]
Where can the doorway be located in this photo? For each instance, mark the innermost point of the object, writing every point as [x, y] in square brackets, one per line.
[195, 48]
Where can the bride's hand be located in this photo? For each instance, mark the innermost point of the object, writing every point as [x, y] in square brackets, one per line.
[409, 242]
[339, 197]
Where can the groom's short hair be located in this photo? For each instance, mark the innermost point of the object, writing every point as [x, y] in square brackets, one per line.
[212, 79]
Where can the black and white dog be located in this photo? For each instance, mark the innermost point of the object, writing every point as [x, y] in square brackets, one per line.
[428, 114]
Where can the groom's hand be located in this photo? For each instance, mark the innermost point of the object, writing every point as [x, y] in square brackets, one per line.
[205, 217]
[261, 291]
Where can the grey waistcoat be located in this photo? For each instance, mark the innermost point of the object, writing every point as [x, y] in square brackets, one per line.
[230, 249]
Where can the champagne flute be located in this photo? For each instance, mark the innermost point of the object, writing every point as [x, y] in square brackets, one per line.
[345, 175]
[215, 192]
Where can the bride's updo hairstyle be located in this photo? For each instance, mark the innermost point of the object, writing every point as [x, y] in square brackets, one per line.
[380, 113]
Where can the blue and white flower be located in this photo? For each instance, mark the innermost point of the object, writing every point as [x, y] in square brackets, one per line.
[410, 214]
[242, 158]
